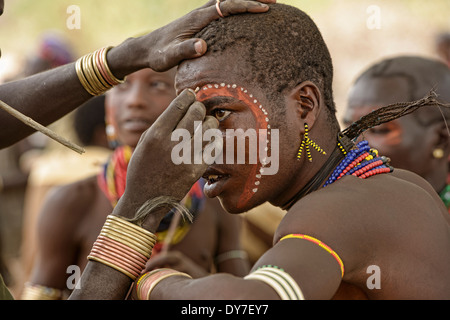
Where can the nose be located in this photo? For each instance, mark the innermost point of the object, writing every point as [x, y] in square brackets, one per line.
[136, 97]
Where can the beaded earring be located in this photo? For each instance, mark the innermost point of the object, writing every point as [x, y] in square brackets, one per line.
[438, 153]
[111, 136]
[306, 142]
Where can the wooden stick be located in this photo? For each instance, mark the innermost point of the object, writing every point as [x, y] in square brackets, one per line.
[171, 231]
[37, 126]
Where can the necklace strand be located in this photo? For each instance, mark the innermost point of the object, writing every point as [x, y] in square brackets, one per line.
[362, 162]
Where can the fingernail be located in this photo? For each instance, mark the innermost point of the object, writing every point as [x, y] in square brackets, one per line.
[198, 46]
[191, 91]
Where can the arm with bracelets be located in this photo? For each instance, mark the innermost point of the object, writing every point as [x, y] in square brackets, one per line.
[47, 96]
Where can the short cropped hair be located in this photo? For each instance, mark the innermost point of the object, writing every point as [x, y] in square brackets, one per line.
[283, 47]
[88, 117]
[421, 74]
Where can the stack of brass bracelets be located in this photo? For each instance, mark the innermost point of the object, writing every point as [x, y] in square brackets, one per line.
[123, 246]
[94, 73]
[148, 281]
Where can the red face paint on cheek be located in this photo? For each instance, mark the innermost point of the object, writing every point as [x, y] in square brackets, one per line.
[261, 123]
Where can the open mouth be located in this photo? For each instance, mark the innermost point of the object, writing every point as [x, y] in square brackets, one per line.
[215, 182]
[213, 178]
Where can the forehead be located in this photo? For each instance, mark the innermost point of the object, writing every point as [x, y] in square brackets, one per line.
[149, 73]
[369, 94]
[209, 69]
[379, 92]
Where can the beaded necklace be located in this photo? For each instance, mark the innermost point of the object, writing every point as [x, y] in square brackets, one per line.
[361, 161]
[445, 196]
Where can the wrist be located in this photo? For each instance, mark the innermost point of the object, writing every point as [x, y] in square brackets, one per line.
[148, 214]
[126, 58]
[148, 281]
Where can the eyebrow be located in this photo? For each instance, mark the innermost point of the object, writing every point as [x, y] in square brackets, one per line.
[217, 101]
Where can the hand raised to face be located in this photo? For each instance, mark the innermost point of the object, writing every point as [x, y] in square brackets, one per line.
[151, 171]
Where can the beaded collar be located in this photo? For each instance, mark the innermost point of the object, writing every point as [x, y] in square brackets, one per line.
[445, 196]
[361, 161]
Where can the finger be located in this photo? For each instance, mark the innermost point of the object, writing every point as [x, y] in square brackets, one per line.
[200, 18]
[213, 2]
[212, 140]
[170, 118]
[230, 7]
[185, 50]
[196, 113]
[210, 123]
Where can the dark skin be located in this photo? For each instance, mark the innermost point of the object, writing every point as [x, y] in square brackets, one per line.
[73, 215]
[408, 141]
[360, 237]
[388, 220]
[62, 92]
[48, 96]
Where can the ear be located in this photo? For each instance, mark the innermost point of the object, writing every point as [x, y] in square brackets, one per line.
[308, 101]
[443, 139]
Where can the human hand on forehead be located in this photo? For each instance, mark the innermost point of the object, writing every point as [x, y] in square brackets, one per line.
[152, 172]
[173, 43]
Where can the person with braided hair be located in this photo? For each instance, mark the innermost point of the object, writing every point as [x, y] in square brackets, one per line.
[355, 227]
[419, 142]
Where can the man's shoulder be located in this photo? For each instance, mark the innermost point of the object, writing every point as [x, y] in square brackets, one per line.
[71, 199]
[78, 190]
[353, 204]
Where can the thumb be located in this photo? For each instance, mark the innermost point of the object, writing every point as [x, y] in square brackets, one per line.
[191, 48]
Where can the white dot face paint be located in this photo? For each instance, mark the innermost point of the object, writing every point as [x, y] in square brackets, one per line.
[262, 127]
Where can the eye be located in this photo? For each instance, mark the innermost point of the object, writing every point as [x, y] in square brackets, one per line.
[221, 114]
[159, 85]
[122, 86]
[379, 130]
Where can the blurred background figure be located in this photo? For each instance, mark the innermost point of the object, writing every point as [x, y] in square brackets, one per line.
[443, 47]
[52, 51]
[419, 142]
[61, 167]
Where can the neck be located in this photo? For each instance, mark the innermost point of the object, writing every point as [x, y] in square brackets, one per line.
[321, 176]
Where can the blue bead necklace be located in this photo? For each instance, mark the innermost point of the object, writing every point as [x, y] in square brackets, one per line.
[361, 161]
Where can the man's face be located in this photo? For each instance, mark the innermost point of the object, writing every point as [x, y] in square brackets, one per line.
[408, 141]
[238, 106]
[133, 106]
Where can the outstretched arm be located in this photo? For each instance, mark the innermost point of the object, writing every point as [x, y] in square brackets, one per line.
[48, 96]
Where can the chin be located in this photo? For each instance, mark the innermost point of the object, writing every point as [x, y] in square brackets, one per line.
[232, 205]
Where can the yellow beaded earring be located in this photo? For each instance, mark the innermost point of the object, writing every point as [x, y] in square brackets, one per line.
[306, 142]
[438, 153]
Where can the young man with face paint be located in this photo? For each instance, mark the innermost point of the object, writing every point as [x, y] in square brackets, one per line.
[50, 95]
[355, 228]
[418, 142]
